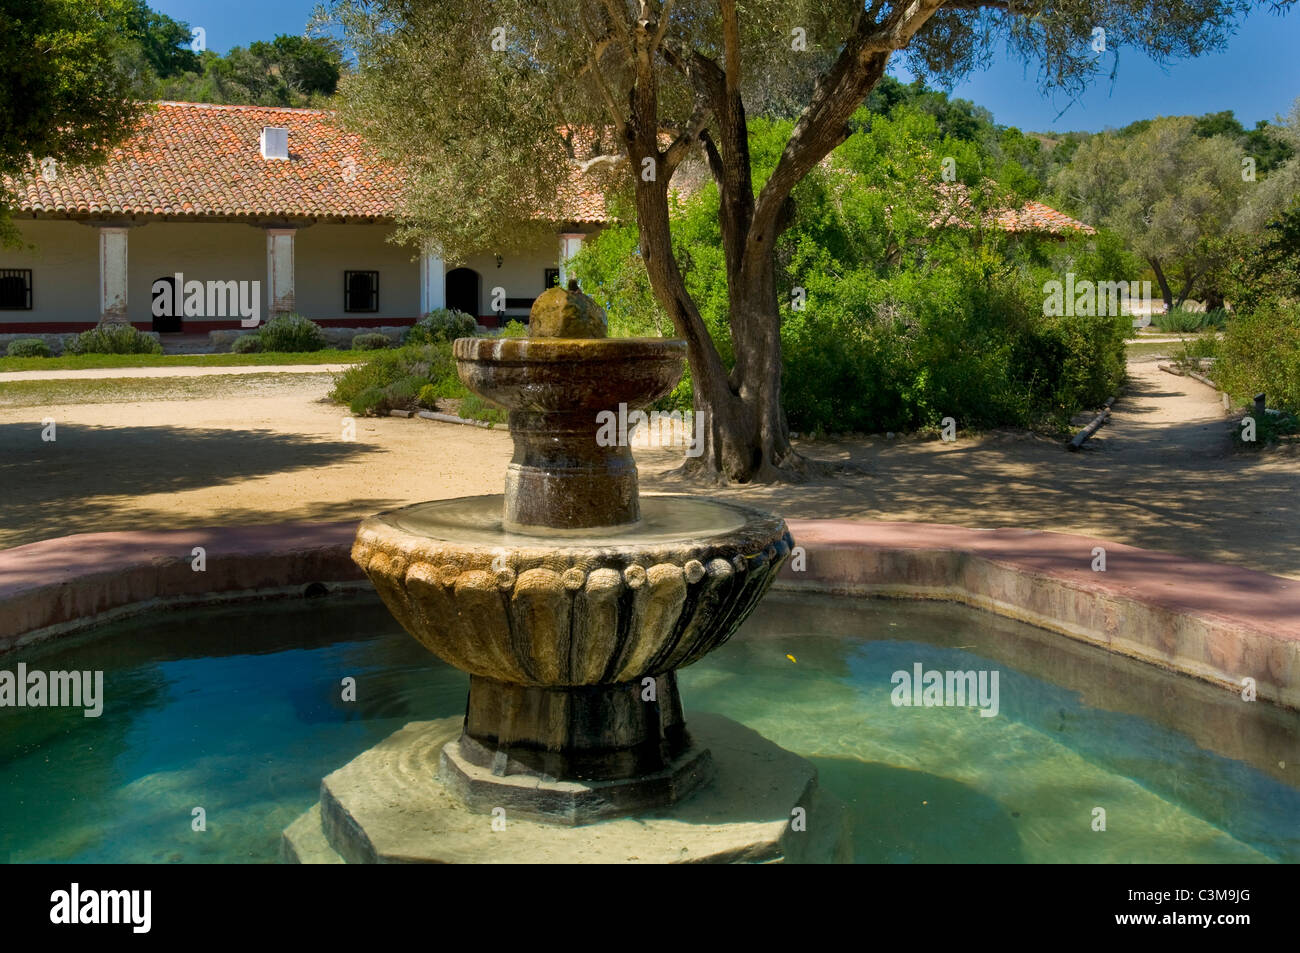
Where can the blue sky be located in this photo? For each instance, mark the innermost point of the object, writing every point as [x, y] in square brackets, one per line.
[1257, 76]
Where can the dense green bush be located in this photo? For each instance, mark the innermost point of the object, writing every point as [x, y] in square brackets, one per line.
[28, 347]
[441, 324]
[395, 379]
[370, 342]
[1260, 351]
[514, 329]
[246, 344]
[291, 333]
[1179, 321]
[113, 339]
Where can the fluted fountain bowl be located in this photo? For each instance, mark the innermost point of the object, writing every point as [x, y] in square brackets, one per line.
[560, 634]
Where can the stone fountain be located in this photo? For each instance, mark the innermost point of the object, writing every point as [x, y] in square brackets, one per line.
[571, 601]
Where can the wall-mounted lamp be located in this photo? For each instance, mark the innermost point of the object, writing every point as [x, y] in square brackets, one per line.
[499, 261]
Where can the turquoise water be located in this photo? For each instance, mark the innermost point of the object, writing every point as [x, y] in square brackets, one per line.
[239, 711]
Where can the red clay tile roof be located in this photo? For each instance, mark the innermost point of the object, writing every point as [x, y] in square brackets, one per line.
[1037, 217]
[1032, 217]
[196, 160]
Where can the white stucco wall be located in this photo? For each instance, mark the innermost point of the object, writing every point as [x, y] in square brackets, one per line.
[65, 266]
[65, 272]
[201, 251]
[323, 252]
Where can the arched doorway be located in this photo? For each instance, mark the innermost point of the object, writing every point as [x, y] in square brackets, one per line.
[463, 290]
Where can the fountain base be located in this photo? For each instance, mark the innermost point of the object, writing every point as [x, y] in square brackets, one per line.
[388, 805]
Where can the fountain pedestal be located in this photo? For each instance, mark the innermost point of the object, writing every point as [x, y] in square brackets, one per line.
[387, 806]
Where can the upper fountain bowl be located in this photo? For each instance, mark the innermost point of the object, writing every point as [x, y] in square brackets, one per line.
[568, 375]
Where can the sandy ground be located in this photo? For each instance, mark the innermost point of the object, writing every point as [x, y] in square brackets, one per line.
[1161, 474]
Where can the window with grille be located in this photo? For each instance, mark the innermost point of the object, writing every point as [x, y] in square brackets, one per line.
[15, 289]
[360, 291]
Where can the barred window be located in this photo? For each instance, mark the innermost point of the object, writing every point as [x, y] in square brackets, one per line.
[15, 289]
[360, 291]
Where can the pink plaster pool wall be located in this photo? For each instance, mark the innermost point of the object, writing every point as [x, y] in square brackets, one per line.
[1218, 623]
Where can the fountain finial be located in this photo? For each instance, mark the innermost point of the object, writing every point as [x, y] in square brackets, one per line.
[567, 313]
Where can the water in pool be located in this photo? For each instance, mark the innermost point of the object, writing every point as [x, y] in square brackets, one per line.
[239, 711]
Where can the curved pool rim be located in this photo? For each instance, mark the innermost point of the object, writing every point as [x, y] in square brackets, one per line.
[1218, 623]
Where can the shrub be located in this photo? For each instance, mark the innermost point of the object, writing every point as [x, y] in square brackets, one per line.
[1179, 321]
[474, 407]
[514, 329]
[246, 344]
[28, 347]
[370, 342]
[378, 401]
[396, 378]
[1260, 351]
[441, 325]
[113, 339]
[291, 333]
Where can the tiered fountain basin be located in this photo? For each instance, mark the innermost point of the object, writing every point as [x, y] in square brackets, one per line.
[572, 642]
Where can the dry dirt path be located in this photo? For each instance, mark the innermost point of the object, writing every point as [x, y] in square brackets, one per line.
[1161, 474]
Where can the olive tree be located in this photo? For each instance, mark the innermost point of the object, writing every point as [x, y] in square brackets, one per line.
[487, 104]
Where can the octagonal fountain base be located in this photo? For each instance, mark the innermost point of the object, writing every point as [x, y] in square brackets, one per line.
[388, 805]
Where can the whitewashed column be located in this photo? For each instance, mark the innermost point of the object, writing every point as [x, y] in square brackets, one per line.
[112, 274]
[433, 280]
[570, 245]
[279, 271]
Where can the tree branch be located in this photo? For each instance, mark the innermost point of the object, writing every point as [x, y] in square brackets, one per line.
[680, 147]
[593, 63]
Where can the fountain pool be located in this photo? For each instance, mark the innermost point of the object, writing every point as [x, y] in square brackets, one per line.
[239, 710]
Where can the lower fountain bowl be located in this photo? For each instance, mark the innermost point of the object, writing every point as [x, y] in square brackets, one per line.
[571, 639]
[590, 608]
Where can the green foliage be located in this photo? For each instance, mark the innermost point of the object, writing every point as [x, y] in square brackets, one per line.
[288, 71]
[1179, 321]
[113, 339]
[1194, 350]
[1260, 352]
[65, 86]
[291, 333]
[246, 344]
[399, 379]
[514, 329]
[370, 342]
[473, 407]
[164, 45]
[28, 347]
[442, 324]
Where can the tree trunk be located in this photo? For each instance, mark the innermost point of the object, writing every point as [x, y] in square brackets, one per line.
[1165, 291]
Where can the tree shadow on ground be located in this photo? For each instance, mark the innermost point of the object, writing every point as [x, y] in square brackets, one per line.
[84, 480]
